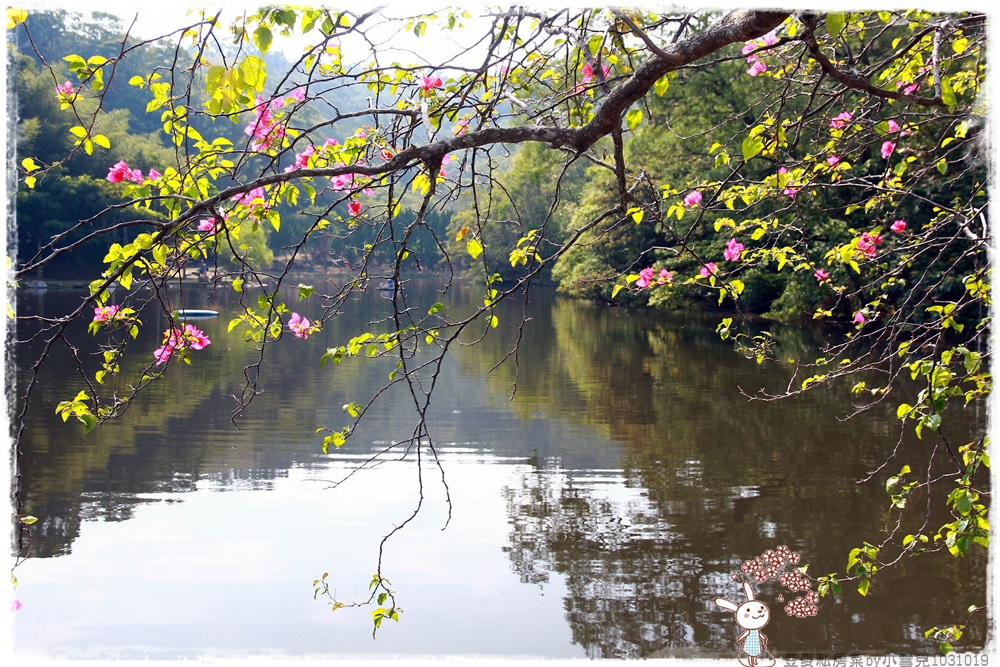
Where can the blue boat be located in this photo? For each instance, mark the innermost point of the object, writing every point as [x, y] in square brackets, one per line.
[194, 313]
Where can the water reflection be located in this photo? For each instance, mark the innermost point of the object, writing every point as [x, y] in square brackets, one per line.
[629, 476]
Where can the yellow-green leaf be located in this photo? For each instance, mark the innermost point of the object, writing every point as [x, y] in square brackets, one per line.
[474, 247]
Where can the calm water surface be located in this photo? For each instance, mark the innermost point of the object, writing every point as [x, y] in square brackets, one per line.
[594, 515]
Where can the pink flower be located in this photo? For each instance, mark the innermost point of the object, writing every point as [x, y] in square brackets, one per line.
[908, 87]
[253, 198]
[893, 125]
[867, 243]
[747, 48]
[707, 269]
[645, 278]
[833, 160]
[693, 198]
[461, 127]
[153, 174]
[665, 277]
[899, 226]
[587, 72]
[428, 83]
[791, 192]
[341, 181]
[105, 313]
[171, 340]
[859, 317]
[299, 325]
[120, 172]
[65, 90]
[821, 275]
[758, 67]
[841, 120]
[206, 225]
[298, 95]
[302, 159]
[733, 250]
[354, 207]
[887, 148]
[782, 170]
[770, 38]
[15, 605]
[195, 338]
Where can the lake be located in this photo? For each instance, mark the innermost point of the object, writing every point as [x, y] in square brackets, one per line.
[597, 513]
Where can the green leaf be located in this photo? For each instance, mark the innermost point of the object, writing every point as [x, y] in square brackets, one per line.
[960, 44]
[947, 94]
[494, 321]
[89, 422]
[835, 22]
[863, 586]
[752, 146]
[633, 118]
[262, 38]
[28, 520]
[661, 85]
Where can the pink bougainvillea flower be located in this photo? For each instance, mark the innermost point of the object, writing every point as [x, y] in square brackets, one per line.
[65, 91]
[299, 325]
[892, 125]
[297, 95]
[665, 277]
[693, 198]
[770, 38]
[15, 605]
[428, 83]
[119, 172]
[757, 68]
[733, 250]
[645, 278]
[708, 269]
[908, 87]
[841, 120]
[859, 317]
[587, 72]
[747, 48]
[354, 207]
[153, 174]
[821, 275]
[867, 243]
[791, 192]
[206, 225]
[253, 198]
[833, 160]
[105, 313]
[887, 148]
[195, 338]
[461, 127]
[302, 159]
[899, 226]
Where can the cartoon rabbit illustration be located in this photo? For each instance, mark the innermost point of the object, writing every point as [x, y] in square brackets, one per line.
[752, 615]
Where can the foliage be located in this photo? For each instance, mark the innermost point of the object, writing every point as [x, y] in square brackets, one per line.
[829, 166]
